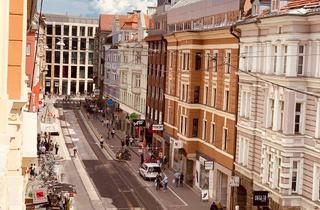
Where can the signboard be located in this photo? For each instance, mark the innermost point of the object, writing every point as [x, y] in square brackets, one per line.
[260, 198]
[96, 92]
[109, 102]
[139, 123]
[234, 181]
[39, 196]
[157, 127]
[204, 195]
[208, 165]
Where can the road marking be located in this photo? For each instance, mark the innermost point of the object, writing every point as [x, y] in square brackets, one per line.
[178, 196]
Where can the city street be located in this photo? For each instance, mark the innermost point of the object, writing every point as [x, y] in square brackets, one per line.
[114, 182]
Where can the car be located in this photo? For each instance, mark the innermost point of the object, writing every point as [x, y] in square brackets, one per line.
[149, 170]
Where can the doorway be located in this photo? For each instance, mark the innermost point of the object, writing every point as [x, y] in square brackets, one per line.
[242, 198]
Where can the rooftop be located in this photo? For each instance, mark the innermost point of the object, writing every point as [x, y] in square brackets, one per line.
[70, 19]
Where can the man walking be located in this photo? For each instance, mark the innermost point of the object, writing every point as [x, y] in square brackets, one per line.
[56, 146]
[101, 142]
[113, 132]
[75, 150]
[177, 178]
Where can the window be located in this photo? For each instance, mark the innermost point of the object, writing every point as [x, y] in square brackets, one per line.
[316, 183]
[73, 72]
[300, 60]
[224, 139]
[281, 104]
[227, 62]
[90, 72]
[49, 42]
[57, 57]
[66, 30]
[204, 130]
[65, 71]
[138, 58]
[206, 92]
[275, 54]
[213, 131]
[274, 4]
[91, 44]
[66, 43]
[243, 151]
[207, 61]
[279, 172]
[90, 31]
[226, 100]
[137, 80]
[181, 124]
[74, 57]
[82, 72]
[49, 29]
[48, 56]
[65, 57]
[90, 58]
[58, 29]
[195, 128]
[82, 31]
[270, 167]
[74, 31]
[198, 61]
[74, 44]
[56, 71]
[298, 118]
[213, 99]
[196, 98]
[294, 176]
[83, 44]
[249, 58]
[215, 61]
[271, 113]
[245, 106]
[82, 57]
[185, 61]
[285, 58]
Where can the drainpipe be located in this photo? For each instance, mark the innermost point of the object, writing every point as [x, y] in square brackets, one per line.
[236, 34]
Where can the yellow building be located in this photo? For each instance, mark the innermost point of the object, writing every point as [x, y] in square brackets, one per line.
[17, 127]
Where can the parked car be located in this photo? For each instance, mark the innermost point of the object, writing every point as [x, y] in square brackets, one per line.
[149, 170]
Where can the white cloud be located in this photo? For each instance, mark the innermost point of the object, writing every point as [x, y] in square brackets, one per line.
[121, 6]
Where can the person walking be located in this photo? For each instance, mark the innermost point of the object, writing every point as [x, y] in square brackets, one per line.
[75, 151]
[122, 143]
[165, 182]
[141, 158]
[131, 141]
[113, 132]
[101, 142]
[56, 146]
[181, 179]
[177, 178]
[158, 181]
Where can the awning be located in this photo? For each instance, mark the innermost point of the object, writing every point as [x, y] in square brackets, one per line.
[49, 127]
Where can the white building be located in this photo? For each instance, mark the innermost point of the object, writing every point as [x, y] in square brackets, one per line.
[126, 65]
[278, 124]
[69, 56]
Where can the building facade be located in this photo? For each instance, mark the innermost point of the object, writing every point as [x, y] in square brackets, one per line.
[201, 94]
[157, 66]
[69, 56]
[279, 109]
[18, 145]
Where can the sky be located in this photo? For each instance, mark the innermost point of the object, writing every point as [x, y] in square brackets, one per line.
[92, 8]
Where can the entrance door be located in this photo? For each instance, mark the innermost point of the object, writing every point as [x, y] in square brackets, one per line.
[189, 173]
[242, 198]
[222, 187]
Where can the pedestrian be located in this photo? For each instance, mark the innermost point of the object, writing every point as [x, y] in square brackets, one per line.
[113, 132]
[127, 142]
[101, 142]
[75, 150]
[31, 171]
[165, 182]
[122, 143]
[141, 158]
[158, 181]
[176, 178]
[56, 146]
[214, 206]
[43, 149]
[131, 140]
[181, 179]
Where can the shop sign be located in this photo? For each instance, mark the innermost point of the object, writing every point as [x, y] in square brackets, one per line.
[260, 198]
[234, 181]
[40, 196]
[157, 127]
[204, 195]
[139, 123]
[208, 165]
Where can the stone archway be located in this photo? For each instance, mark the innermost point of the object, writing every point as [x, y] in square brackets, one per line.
[242, 198]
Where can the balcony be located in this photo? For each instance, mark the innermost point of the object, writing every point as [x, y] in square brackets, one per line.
[136, 90]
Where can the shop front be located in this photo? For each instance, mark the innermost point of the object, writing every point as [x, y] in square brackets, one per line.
[177, 154]
[204, 171]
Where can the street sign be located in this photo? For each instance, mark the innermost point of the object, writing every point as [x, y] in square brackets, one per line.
[260, 198]
[139, 123]
[39, 196]
[208, 165]
[109, 102]
[204, 195]
[234, 181]
[157, 127]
